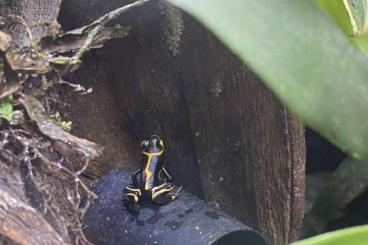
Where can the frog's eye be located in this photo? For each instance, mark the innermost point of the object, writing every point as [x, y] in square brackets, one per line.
[144, 143]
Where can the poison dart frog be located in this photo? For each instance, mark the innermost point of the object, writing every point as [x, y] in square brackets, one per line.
[151, 180]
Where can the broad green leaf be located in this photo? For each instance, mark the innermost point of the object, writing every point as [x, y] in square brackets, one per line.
[302, 56]
[351, 15]
[351, 18]
[338, 12]
[6, 107]
[352, 236]
[357, 12]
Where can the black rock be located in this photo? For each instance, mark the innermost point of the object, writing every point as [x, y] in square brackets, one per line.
[188, 220]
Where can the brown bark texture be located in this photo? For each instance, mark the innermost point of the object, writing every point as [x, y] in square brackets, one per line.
[20, 223]
[37, 14]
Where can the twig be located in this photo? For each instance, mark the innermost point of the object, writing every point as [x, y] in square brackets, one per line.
[49, 128]
[102, 21]
[69, 172]
[99, 24]
[45, 175]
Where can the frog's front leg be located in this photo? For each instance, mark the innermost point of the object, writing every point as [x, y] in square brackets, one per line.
[136, 176]
[165, 193]
[132, 194]
[131, 197]
[164, 174]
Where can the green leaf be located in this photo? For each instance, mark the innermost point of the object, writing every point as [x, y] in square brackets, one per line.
[6, 107]
[302, 56]
[352, 236]
[352, 19]
[357, 11]
[350, 15]
[337, 11]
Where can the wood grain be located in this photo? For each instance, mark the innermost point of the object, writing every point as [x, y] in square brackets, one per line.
[228, 138]
[37, 14]
[19, 222]
[142, 75]
[251, 151]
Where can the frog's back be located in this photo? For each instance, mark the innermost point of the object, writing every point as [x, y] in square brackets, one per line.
[152, 150]
[150, 172]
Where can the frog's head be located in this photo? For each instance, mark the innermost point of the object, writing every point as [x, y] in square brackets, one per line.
[153, 144]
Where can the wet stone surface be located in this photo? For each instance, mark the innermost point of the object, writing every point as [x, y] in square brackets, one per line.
[187, 220]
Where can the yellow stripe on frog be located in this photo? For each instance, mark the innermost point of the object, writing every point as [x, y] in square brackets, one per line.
[135, 197]
[147, 170]
[134, 190]
[154, 195]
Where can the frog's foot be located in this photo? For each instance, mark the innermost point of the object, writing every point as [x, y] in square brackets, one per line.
[132, 207]
[131, 198]
[165, 193]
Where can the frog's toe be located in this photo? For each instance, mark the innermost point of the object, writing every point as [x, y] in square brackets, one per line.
[131, 190]
[131, 193]
[131, 197]
[178, 190]
[132, 207]
[163, 199]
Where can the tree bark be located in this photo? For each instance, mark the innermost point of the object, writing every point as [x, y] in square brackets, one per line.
[37, 14]
[20, 222]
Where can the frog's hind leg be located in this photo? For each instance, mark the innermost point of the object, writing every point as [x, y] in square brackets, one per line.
[131, 197]
[165, 193]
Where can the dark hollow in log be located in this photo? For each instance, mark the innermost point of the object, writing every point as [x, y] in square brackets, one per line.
[229, 139]
[187, 220]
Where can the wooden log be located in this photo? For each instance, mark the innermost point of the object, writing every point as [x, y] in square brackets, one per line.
[251, 151]
[142, 75]
[229, 138]
[20, 223]
[97, 116]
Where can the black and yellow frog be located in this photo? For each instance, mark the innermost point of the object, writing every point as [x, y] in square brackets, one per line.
[150, 181]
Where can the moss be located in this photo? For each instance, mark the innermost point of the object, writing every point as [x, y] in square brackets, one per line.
[66, 125]
[173, 26]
